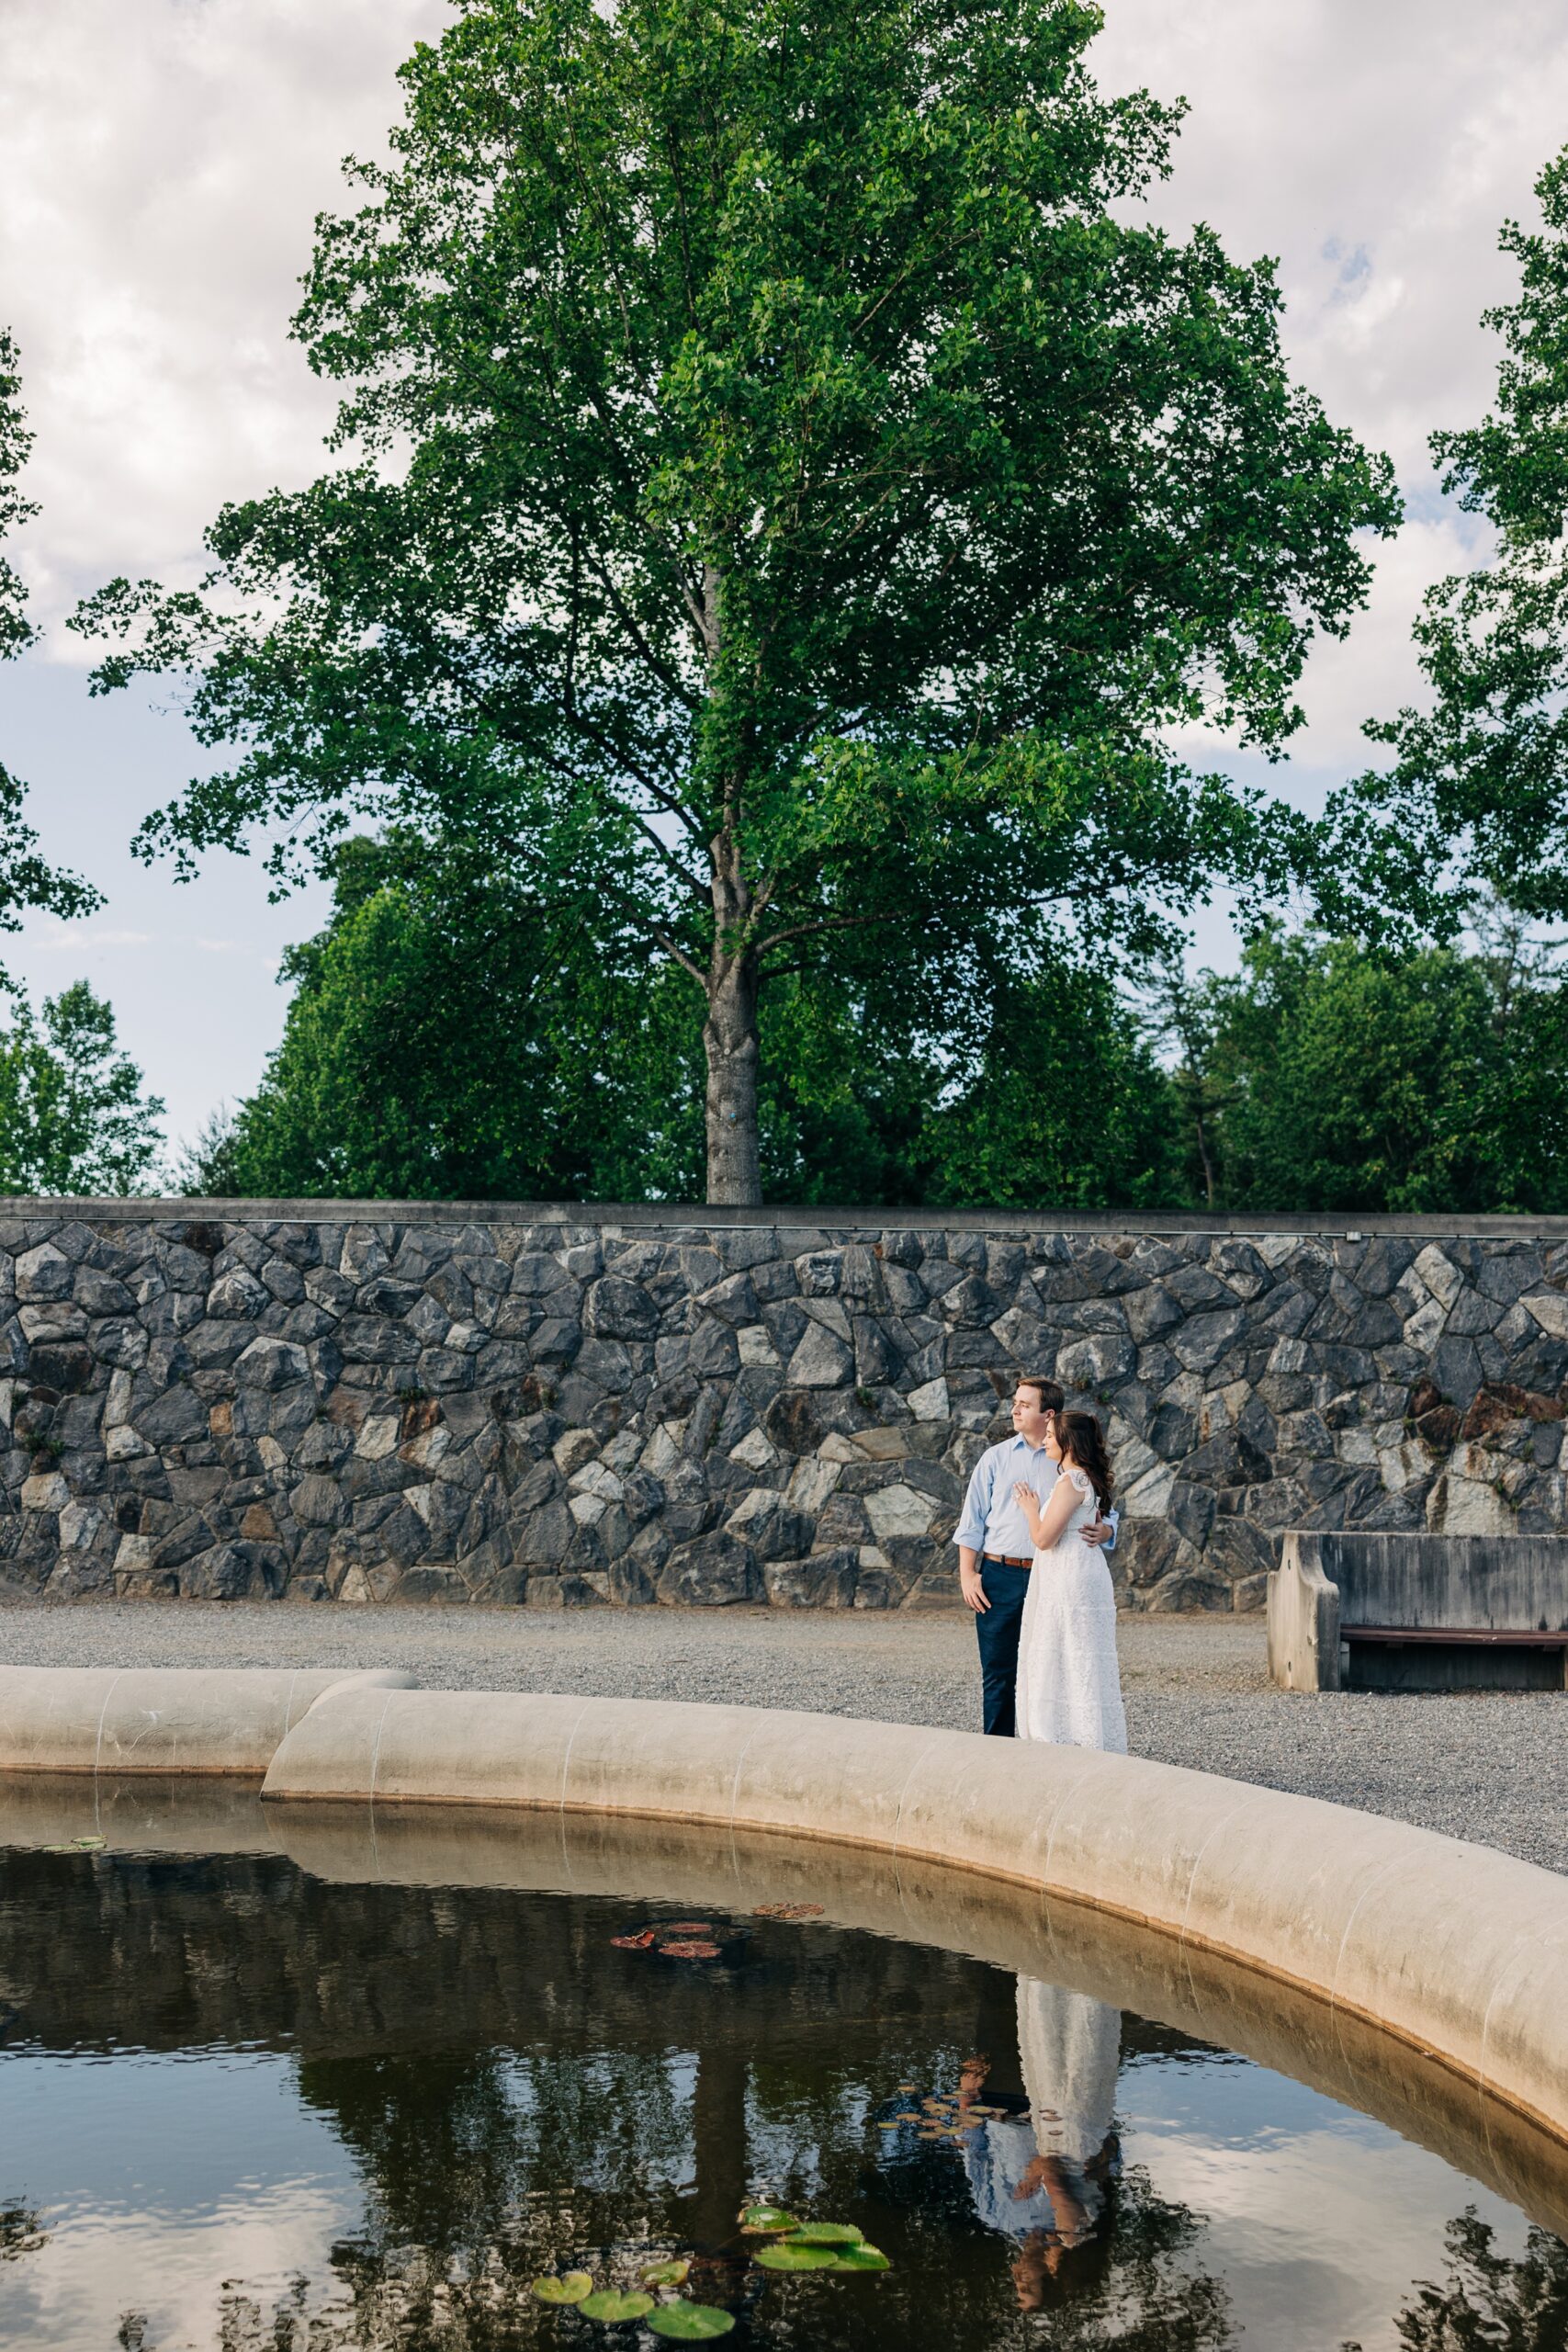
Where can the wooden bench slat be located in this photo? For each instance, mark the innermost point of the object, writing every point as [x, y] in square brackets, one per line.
[1452, 1633]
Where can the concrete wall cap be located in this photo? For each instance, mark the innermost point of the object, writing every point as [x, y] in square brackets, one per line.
[164, 1719]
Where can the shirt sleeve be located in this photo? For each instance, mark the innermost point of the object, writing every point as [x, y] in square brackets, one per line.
[1114, 1520]
[971, 1528]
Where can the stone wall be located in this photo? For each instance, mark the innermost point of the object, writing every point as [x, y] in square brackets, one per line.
[410, 1402]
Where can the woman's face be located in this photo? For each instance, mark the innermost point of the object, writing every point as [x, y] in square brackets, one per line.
[1053, 1440]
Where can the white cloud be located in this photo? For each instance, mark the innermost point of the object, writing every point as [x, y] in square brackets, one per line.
[163, 165]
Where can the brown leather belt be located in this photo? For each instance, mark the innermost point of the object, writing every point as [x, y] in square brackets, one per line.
[1001, 1560]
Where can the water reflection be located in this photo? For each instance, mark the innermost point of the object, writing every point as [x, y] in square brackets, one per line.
[242, 2108]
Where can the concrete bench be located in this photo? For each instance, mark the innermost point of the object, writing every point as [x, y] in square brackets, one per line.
[1351, 1612]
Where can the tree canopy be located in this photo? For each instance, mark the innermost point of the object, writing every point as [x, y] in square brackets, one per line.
[1327, 1075]
[74, 1118]
[1477, 794]
[450, 1039]
[786, 495]
[25, 879]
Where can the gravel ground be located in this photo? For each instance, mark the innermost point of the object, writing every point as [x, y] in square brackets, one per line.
[1490, 1767]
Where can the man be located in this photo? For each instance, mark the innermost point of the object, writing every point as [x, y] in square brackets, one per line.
[993, 1545]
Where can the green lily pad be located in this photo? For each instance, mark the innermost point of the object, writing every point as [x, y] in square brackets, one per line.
[570, 2287]
[762, 2221]
[825, 2234]
[686, 2322]
[666, 2274]
[790, 2257]
[89, 1845]
[611, 2306]
[861, 2258]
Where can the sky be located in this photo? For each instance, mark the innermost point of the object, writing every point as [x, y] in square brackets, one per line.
[162, 162]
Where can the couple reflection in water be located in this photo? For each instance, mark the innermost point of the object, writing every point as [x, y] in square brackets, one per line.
[1040, 2164]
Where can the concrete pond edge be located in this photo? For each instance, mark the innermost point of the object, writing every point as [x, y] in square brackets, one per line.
[1459, 1951]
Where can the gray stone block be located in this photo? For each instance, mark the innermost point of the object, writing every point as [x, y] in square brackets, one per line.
[713, 1572]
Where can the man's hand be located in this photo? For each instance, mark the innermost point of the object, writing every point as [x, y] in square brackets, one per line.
[1097, 1531]
[969, 1583]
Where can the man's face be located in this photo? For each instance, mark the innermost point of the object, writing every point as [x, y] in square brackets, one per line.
[1030, 1418]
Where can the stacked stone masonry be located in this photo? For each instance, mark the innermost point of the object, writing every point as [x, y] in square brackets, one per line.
[559, 1415]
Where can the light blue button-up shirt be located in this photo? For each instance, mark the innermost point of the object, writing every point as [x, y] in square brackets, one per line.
[992, 1519]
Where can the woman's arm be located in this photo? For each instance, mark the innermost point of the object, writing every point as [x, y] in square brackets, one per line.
[1046, 1520]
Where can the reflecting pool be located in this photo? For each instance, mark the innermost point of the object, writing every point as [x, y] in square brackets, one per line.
[251, 2098]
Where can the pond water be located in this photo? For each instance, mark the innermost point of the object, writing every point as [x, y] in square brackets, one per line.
[242, 2105]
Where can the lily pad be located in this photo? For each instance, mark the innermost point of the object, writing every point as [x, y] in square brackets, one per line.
[686, 1928]
[826, 2234]
[638, 1943]
[861, 2258]
[690, 1948]
[787, 2256]
[666, 2274]
[764, 2220]
[613, 2308]
[570, 2287]
[89, 1845]
[686, 2322]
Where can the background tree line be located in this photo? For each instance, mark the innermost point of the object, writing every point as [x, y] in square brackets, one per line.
[446, 1040]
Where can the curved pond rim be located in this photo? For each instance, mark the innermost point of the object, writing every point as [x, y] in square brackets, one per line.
[377, 1810]
[1456, 1952]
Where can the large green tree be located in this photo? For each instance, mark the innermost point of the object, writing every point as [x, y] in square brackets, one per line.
[1328, 1075]
[451, 1037]
[1478, 789]
[25, 879]
[788, 495]
[73, 1119]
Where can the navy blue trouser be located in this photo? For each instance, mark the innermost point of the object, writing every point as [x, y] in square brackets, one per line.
[998, 1628]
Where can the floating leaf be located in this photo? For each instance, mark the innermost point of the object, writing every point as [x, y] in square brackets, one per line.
[613, 2308]
[637, 1941]
[906, 2089]
[59, 1849]
[89, 1845]
[826, 2234]
[569, 2288]
[666, 2274]
[762, 2221]
[689, 1947]
[790, 2257]
[687, 1928]
[687, 2322]
[888, 2126]
[906, 2115]
[861, 2258]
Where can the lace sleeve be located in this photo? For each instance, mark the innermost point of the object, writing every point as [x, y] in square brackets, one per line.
[1076, 1478]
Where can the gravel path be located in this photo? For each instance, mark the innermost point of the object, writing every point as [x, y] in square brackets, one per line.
[1489, 1768]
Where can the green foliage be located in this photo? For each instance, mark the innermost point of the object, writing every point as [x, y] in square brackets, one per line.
[1332, 1076]
[1480, 781]
[72, 1116]
[788, 494]
[450, 1037]
[1066, 1106]
[1488, 2302]
[26, 880]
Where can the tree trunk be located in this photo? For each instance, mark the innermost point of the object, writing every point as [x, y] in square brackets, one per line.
[729, 1040]
[729, 1034]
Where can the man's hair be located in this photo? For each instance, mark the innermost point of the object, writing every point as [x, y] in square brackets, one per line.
[1052, 1398]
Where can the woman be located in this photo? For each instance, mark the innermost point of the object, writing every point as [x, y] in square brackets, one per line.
[1068, 1687]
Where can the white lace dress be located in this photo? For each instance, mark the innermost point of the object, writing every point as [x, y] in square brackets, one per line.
[1069, 1689]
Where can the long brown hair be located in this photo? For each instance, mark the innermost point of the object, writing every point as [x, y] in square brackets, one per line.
[1082, 1441]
